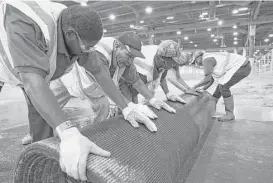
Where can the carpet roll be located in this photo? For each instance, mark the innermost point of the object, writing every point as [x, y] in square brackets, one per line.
[137, 155]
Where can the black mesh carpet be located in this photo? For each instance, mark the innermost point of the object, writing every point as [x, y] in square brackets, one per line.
[138, 156]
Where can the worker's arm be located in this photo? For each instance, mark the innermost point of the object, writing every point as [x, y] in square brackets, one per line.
[96, 64]
[208, 65]
[177, 80]
[163, 83]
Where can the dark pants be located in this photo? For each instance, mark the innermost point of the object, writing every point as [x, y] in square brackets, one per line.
[1, 85]
[224, 90]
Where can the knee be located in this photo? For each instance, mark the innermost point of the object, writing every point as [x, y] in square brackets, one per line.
[225, 91]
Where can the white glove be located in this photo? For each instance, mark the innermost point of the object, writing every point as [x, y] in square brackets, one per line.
[133, 115]
[74, 150]
[160, 104]
[175, 98]
[143, 109]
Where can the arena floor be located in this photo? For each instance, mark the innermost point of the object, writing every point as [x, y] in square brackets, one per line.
[234, 152]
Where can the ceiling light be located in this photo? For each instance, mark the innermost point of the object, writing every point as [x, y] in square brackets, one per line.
[266, 40]
[208, 29]
[152, 35]
[243, 9]
[132, 26]
[186, 38]
[235, 11]
[270, 35]
[170, 18]
[235, 39]
[212, 35]
[214, 40]
[141, 22]
[205, 13]
[235, 42]
[191, 42]
[178, 32]
[235, 33]
[234, 26]
[104, 30]
[83, 3]
[112, 17]
[201, 16]
[220, 22]
[149, 10]
[195, 45]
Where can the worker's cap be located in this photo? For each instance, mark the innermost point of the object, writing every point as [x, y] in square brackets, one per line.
[169, 48]
[132, 42]
[197, 54]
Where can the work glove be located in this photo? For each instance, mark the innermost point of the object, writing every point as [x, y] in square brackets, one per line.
[175, 98]
[192, 91]
[144, 110]
[134, 114]
[74, 150]
[160, 104]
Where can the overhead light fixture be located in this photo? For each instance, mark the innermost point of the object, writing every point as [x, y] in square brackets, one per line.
[266, 40]
[214, 40]
[191, 42]
[220, 22]
[178, 32]
[243, 9]
[83, 3]
[112, 17]
[235, 42]
[141, 21]
[212, 35]
[235, 39]
[152, 35]
[234, 26]
[235, 11]
[205, 13]
[170, 18]
[235, 33]
[201, 16]
[208, 29]
[132, 26]
[149, 10]
[104, 30]
[195, 45]
[186, 38]
[270, 35]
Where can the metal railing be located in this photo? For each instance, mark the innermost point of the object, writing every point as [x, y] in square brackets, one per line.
[264, 63]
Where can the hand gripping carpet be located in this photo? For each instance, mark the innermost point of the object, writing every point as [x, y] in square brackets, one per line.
[137, 155]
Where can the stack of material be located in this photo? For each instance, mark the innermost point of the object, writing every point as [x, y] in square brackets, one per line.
[138, 156]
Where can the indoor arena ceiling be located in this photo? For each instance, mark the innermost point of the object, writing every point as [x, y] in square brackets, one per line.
[198, 24]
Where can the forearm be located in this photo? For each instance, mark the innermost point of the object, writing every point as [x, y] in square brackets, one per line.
[43, 99]
[164, 86]
[208, 84]
[143, 90]
[177, 84]
[110, 89]
[205, 81]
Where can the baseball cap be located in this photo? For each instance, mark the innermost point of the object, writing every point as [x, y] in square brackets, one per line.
[132, 42]
[169, 49]
[196, 54]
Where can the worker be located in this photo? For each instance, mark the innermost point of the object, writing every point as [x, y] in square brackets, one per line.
[161, 59]
[116, 55]
[228, 69]
[40, 41]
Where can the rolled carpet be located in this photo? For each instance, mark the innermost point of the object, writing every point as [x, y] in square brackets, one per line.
[137, 155]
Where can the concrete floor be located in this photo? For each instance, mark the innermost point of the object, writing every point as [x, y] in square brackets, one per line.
[234, 152]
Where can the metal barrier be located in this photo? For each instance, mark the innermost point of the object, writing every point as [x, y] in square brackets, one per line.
[263, 64]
